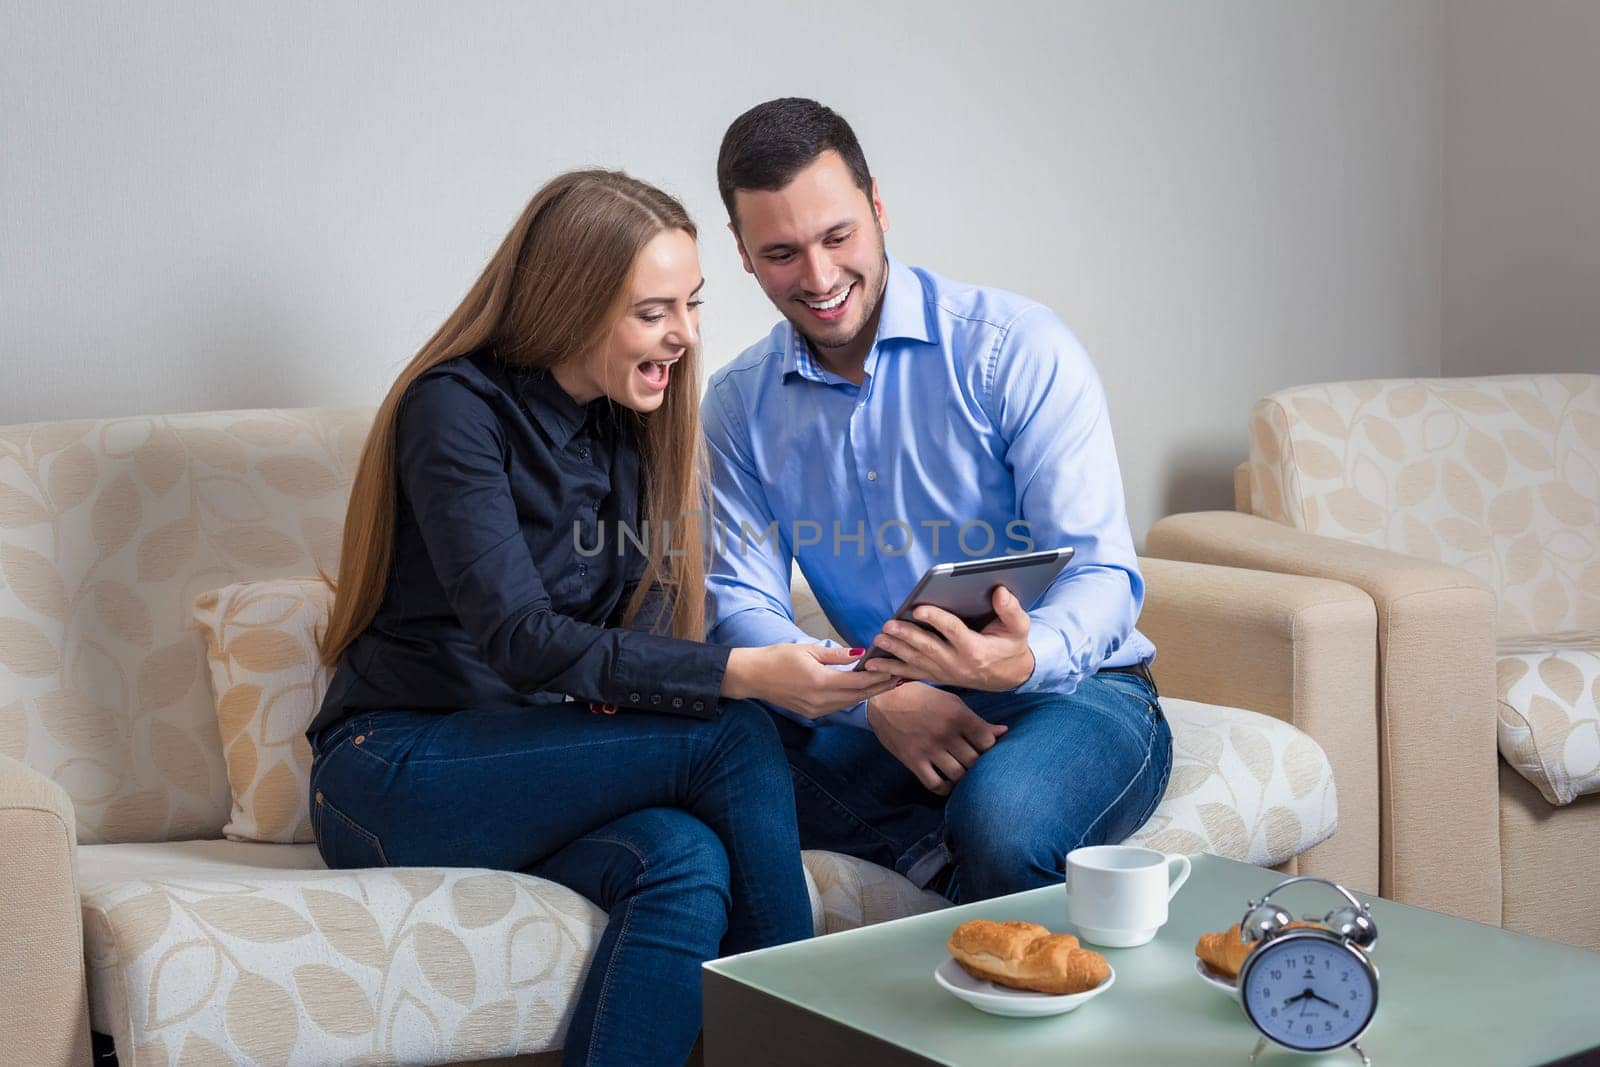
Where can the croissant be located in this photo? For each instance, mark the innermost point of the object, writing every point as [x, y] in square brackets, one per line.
[1025, 955]
[1225, 952]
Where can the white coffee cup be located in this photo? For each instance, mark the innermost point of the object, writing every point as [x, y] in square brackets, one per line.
[1117, 894]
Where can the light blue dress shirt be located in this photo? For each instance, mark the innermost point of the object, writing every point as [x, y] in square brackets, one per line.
[980, 429]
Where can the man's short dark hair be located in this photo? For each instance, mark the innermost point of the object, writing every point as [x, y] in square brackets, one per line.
[772, 142]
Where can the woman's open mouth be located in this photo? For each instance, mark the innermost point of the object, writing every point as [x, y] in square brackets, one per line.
[657, 372]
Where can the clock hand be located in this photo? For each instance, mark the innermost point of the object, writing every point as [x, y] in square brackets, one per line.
[1324, 1000]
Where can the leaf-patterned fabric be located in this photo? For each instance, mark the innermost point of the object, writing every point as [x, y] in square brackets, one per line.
[1549, 721]
[268, 680]
[1499, 476]
[231, 952]
[109, 529]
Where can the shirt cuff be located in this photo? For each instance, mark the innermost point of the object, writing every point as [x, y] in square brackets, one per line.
[1050, 656]
[856, 716]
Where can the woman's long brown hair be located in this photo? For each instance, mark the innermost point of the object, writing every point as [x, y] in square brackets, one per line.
[551, 293]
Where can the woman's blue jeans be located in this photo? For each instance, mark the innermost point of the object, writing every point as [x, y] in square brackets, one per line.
[682, 830]
[1085, 768]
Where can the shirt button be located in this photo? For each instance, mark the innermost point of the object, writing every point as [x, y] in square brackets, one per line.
[319, 796]
[677, 702]
[655, 698]
[360, 738]
[699, 705]
[633, 698]
[872, 476]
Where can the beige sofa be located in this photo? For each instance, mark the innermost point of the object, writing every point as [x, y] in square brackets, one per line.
[126, 909]
[1468, 510]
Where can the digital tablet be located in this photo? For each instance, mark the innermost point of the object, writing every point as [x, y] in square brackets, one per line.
[966, 590]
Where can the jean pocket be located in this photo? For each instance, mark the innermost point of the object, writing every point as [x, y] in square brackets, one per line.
[343, 842]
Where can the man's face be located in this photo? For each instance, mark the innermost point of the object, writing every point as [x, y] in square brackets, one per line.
[816, 248]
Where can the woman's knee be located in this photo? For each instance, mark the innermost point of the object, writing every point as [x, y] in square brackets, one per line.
[744, 732]
[679, 851]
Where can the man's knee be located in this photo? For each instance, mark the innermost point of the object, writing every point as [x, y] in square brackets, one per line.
[999, 834]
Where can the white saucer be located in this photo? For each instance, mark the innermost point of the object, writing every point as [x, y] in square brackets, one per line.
[1216, 979]
[1019, 1003]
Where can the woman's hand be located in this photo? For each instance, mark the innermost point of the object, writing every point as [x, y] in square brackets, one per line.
[799, 678]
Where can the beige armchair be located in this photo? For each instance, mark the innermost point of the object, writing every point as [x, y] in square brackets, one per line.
[1468, 510]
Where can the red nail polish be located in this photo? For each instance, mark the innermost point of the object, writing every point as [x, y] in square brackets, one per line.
[858, 652]
[594, 708]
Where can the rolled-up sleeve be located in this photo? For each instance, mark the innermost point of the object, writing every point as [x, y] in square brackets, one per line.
[450, 458]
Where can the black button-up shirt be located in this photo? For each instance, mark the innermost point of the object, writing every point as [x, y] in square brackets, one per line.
[496, 595]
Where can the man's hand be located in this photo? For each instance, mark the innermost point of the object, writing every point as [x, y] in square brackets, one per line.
[932, 732]
[996, 660]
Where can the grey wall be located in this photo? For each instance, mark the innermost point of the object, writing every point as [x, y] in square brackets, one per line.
[207, 206]
[1522, 187]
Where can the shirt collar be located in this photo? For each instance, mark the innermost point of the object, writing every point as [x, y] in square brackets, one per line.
[903, 315]
[549, 405]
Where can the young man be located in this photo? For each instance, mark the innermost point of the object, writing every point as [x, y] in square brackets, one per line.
[891, 421]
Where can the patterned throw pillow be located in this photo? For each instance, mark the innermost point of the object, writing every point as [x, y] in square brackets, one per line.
[267, 680]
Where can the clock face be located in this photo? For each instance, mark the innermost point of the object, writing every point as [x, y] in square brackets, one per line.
[1308, 992]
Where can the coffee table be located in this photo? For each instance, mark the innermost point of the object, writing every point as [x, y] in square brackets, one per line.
[1452, 992]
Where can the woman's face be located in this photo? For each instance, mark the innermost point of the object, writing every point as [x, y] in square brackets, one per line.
[659, 324]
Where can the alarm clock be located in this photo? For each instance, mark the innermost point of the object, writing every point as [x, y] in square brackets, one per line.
[1313, 988]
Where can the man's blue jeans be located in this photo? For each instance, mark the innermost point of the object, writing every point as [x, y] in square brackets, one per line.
[682, 830]
[1081, 769]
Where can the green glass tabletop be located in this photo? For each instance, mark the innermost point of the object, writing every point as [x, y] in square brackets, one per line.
[1451, 991]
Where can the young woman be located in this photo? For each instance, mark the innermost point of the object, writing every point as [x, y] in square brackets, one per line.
[520, 680]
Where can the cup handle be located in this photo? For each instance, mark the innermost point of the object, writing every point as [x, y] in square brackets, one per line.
[1182, 865]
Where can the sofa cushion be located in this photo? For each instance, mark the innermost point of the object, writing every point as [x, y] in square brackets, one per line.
[1549, 721]
[1244, 786]
[108, 531]
[226, 951]
[268, 680]
[1499, 476]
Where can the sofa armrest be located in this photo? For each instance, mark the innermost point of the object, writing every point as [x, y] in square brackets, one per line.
[1438, 786]
[1297, 649]
[46, 1015]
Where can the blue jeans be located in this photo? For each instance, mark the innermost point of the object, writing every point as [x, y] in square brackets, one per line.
[682, 830]
[1080, 769]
